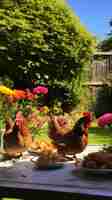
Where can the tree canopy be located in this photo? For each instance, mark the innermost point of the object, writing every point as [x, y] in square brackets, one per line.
[43, 40]
[106, 44]
[42, 37]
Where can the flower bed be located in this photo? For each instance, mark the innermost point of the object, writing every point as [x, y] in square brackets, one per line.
[22, 116]
[29, 125]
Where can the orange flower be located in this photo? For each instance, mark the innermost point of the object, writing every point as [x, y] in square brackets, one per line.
[19, 94]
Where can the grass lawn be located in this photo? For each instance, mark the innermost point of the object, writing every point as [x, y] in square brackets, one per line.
[100, 135]
[10, 199]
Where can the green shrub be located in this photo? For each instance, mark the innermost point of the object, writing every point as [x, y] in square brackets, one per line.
[103, 101]
[5, 80]
[43, 40]
[87, 101]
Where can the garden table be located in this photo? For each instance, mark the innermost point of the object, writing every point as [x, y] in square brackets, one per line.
[24, 181]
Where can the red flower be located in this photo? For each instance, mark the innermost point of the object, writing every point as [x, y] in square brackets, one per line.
[41, 109]
[29, 95]
[40, 90]
[33, 81]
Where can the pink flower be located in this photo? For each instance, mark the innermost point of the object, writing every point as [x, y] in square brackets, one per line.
[105, 119]
[40, 90]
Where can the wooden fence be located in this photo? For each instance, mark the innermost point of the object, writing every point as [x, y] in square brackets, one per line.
[100, 69]
[101, 66]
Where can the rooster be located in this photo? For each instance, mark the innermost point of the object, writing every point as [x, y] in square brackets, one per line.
[17, 137]
[73, 141]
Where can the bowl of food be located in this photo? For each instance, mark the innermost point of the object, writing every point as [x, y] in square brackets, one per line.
[48, 160]
[96, 163]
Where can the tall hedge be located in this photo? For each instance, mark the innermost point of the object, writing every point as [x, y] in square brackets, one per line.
[42, 39]
[104, 97]
[103, 101]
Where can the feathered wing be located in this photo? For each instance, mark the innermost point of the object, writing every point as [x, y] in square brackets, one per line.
[19, 138]
[75, 140]
[24, 135]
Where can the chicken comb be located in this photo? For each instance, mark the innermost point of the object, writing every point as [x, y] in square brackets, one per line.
[88, 118]
[87, 114]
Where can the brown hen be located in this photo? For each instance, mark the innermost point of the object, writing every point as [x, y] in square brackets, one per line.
[17, 137]
[73, 141]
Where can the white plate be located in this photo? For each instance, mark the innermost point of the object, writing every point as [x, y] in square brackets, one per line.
[56, 165]
[34, 159]
[94, 171]
[6, 164]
